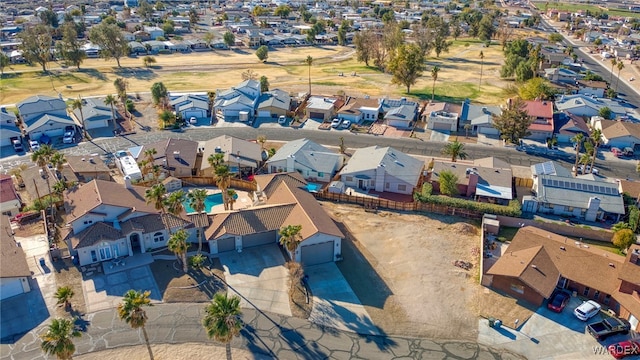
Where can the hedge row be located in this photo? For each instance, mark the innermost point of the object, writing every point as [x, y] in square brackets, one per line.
[513, 209]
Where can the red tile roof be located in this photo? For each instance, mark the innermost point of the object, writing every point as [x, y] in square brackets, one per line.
[7, 191]
[539, 109]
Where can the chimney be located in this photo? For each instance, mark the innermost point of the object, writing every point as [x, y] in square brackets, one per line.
[634, 256]
[127, 182]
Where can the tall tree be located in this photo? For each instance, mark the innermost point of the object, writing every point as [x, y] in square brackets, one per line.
[36, 44]
[63, 295]
[290, 238]
[229, 39]
[111, 41]
[222, 320]
[156, 196]
[614, 62]
[112, 101]
[423, 37]
[121, 85]
[77, 104]
[309, 61]
[620, 67]
[448, 183]
[514, 122]
[215, 160]
[58, 340]
[175, 202]
[262, 53]
[178, 245]
[363, 44]
[596, 140]
[481, 66]
[249, 75]
[406, 66]
[131, 311]
[223, 180]
[144, 10]
[159, 94]
[69, 48]
[4, 62]
[577, 140]
[434, 76]
[42, 157]
[455, 150]
[196, 199]
[441, 33]
[264, 84]
[283, 11]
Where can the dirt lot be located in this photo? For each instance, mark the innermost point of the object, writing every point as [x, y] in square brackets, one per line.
[194, 286]
[407, 259]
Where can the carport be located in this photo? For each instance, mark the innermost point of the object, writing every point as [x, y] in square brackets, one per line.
[317, 253]
[263, 238]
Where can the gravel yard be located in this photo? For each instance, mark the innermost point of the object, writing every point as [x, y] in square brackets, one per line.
[407, 259]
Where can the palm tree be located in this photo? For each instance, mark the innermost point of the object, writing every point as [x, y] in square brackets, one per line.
[620, 67]
[42, 157]
[58, 341]
[196, 202]
[212, 98]
[262, 139]
[578, 140]
[156, 195]
[215, 160]
[64, 295]
[596, 138]
[175, 202]
[223, 180]
[149, 161]
[178, 245]
[613, 63]
[59, 187]
[111, 101]
[455, 150]
[467, 127]
[77, 105]
[290, 238]
[223, 319]
[131, 311]
[481, 65]
[231, 196]
[309, 62]
[434, 76]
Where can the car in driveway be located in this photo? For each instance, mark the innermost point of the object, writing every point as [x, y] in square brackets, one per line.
[558, 301]
[69, 136]
[346, 124]
[608, 327]
[587, 310]
[335, 123]
[625, 348]
[34, 145]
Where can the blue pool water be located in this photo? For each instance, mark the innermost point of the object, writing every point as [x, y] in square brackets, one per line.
[313, 187]
[209, 202]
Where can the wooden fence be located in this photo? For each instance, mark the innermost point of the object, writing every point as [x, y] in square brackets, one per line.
[523, 182]
[371, 203]
[238, 184]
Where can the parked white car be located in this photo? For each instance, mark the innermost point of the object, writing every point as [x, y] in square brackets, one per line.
[335, 123]
[587, 310]
[346, 124]
[34, 145]
[282, 119]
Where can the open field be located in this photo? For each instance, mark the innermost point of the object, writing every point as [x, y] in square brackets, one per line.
[458, 78]
[567, 6]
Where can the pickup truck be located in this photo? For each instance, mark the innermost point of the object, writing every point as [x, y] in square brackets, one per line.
[608, 327]
[17, 144]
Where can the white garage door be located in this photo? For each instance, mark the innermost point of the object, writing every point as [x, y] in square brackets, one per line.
[441, 126]
[264, 113]
[10, 287]
[228, 244]
[194, 113]
[5, 142]
[317, 254]
[51, 133]
[263, 238]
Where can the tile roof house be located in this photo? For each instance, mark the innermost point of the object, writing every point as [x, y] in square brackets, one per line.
[96, 114]
[10, 203]
[620, 134]
[562, 75]
[591, 87]
[237, 103]
[36, 182]
[582, 105]
[313, 161]
[44, 115]
[631, 188]
[282, 201]
[542, 114]
[190, 105]
[399, 113]
[479, 117]
[383, 169]
[537, 261]
[357, 110]
[175, 156]
[568, 125]
[87, 168]
[445, 119]
[14, 270]
[8, 127]
[322, 108]
[492, 185]
[107, 220]
[239, 154]
[273, 103]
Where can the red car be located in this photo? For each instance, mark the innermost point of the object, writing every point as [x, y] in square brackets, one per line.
[558, 301]
[624, 348]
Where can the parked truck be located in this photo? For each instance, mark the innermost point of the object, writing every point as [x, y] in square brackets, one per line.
[16, 142]
[608, 327]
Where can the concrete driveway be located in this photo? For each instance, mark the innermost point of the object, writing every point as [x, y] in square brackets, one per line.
[334, 302]
[549, 335]
[259, 276]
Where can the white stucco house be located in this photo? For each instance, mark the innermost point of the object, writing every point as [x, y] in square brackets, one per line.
[14, 270]
[96, 114]
[357, 110]
[382, 169]
[237, 103]
[10, 203]
[311, 160]
[399, 113]
[44, 115]
[8, 127]
[190, 105]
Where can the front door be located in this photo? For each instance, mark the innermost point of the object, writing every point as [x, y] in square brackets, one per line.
[105, 253]
[562, 283]
[362, 184]
[135, 242]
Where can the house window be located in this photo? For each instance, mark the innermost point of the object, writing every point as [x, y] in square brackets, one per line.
[596, 294]
[517, 288]
[387, 186]
[586, 291]
[86, 222]
[94, 256]
[8, 213]
[570, 209]
[607, 299]
[551, 206]
[348, 178]
[402, 187]
[158, 237]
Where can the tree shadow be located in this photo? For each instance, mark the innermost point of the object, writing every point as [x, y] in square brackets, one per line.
[137, 73]
[240, 51]
[93, 73]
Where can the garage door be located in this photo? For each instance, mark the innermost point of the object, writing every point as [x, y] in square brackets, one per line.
[441, 126]
[264, 113]
[228, 244]
[193, 113]
[263, 238]
[316, 115]
[10, 287]
[317, 254]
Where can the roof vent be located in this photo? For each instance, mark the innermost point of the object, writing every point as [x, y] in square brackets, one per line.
[83, 159]
[534, 266]
[563, 248]
[612, 265]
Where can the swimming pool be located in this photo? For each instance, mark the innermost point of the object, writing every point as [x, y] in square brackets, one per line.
[313, 187]
[209, 202]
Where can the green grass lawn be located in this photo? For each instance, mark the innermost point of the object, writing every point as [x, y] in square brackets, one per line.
[567, 6]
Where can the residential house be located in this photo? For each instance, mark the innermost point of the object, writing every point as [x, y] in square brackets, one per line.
[154, 32]
[358, 110]
[620, 134]
[177, 157]
[95, 112]
[322, 108]
[542, 113]
[237, 103]
[631, 189]
[44, 115]
[35, 181]
[8, 127]
[242, 156]
[562, 75]
[14, 270]
[400, 114]
[313, 161]
[155, 46]
[382, 169]
[568, 125]
[480, 118]
[10, 203]
[190, 105]
[582, 105]
[444, 119]
[137, 48]
[538, 261]
[87, 168]
[494, 185]
[282, 201]
[273, 104]
[107, 220]
[592, 88]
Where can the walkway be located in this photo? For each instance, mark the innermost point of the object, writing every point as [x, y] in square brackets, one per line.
[267, 334]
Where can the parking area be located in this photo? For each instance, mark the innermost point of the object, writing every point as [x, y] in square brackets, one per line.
[259, 276]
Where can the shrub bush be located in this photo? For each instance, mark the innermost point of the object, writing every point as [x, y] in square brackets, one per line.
[513, 209]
